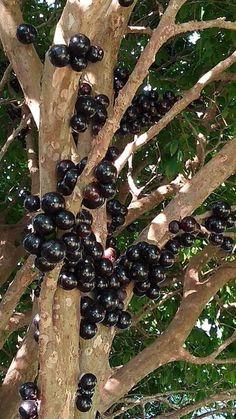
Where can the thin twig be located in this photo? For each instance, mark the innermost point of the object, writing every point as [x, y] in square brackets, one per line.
[14, 134]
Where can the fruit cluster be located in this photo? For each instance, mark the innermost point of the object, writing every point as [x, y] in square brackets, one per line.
[89, 109]
[29, 393]
[146, 109]
[118, 212]
[85, 392]
[121, 76]
[77, 54]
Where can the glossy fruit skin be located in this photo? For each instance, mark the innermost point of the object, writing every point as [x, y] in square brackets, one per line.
[88, 381]
[86, 105]
[28, 409]
[124, 321]
[84, 392]
[138, 272]
[216, 225]
[43, 265]
[121, 73]
[101, 283]
[92, 197]
[29, 391]
[111, 242]
[32, 203]
[85, 89]
[32, 243]
[231, 220]
[85, 303]
[228, 244]
[114, 207]
[118, 220]
[108, 191]
[106, 172]
[74, 256]
[83, 230]
[114, 282]
[133, 253]
[143, 286]
[187, 239]
[112, 154]
[173, 246]
[95, 313]
[52, 202]
[79, 123]
[151, 254]
[79, 45]
[87, 329]
[216, 239]
[153, 292]
[221, 209]
[83, 403]
[64, 219]
[167, 259]
[156, 274]
[78, 63]
[85, 272]
[26, 33]
[59, 55]
[101, 114]
[111, 318]
[95, 54]
[96, 250]
[86, 286]
[188, 224]
[53, 251]
[71, 241]
[84, 216]
[63, 189]
[70, 178]
[121, 274]
[96, 127]
[81, 165]
[103, 100]
[104, 267]
[43, 224]
[62, 167]
[109, 299]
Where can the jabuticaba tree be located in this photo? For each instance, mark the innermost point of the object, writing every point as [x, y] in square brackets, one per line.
[117, 209]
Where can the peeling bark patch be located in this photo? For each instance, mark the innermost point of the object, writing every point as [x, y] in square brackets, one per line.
[52, 360]
[69, 302]
[97, 341]
[89, 351]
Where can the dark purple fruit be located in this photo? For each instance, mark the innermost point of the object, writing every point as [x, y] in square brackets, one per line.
[114, 207]
[170, 96]
[78, 63]
[109, 299]
[26, 33]
[133, 253]
[67, 281]
[150, 254]
[79, 123]
[118, 220]
[29, 391]
[188, 224]
[101, 114]
[101, 283]
[74, 256]
[83, 230]
[156, 274]
[187, 239]
[86, 105]
[43, 224]
[85, 89]
[153, 292]
[138, 272]
[122, 294]
[84, 392]
[103, 100]
[52, 202]
[108, 191]
[231, 220]
[111, 242]
[89, 240]
[28, 409]
[216, 239]
[43, 265]
[135, 127]
[59, 55]
[84, 216]
[228, 244]
[96, 127]
[216, 225]
[132, 113]
[88, 381]
[121, 274]
[106, 172]
[32, 244]
[104, 267]
[95, 313]
[167, 259]
[174, 227]
[143, 286]
[114, 282]
[84, 304]
[83, 403]
[124, 321]
[126, 3]
[71, 241]
[121, 73]
[53, 251]
[95, 250]
[112, 154]
[221, 209]
[64, 220]
[79, 45]
[86, 286]
[81, 165]
[70, 178]
[87, 329]
[92, 197]
[32, 203]
[95, 53]
[62, 167]
[85, 272]
[111, 318]
[173, 246]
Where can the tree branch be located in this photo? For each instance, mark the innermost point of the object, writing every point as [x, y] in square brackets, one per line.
[214, 412]
[139, 30]
[188, 97]
[17, 322]
[24, 59]
[5, 77]
[194, 25]
[14, 134]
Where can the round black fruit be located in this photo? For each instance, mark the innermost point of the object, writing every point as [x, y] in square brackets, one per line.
[83, 230]
[70, 178]
[216, 225]
[29, 391]
[101, 114]
[32, 243]
[111, 242]
[151, 254]
[216, 239]
[121, 274]
[228, 244]
[104, 267]
[167, 259]
[101, 283]
[26, 33]
[59, 55]
[111, 318]
[62, 167]
[156, 274]
[109, 299]
[153, 292]
[187, 239]
[188, 224]
[85, 272]
[87, 329]
[86, 286]
[121, 73]
[143, 286]
[112, 154]
[84, 304]
[124, 320]
[106, 172]
[79, 45]
[173, 246]
[118, 220]
[88, 381]
[95, 313]
[52, 202]
[53, 251]
[133, 253]
[28, 409]
[231, 220]
[43, 265]
[84, 216]
[86, 105]
[103, 100]
[138, 272]
[43, 224]
[78, 63]
[71, 241]
[81, 165]
[32, 203]
[94, 54]
[79, 123]
[85, 89]
[221, 209]
[83, 403]
[92, 196]
[95, 250]
[64, 219]
[108, 191]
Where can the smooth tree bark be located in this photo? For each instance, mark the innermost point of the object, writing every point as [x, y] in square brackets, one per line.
[50, 94]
